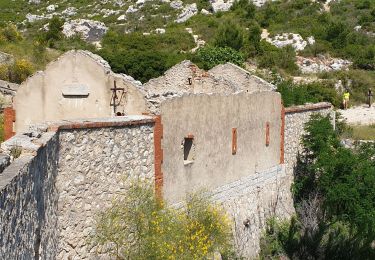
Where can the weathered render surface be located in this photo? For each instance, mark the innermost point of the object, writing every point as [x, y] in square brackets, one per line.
[210, 120]
[51, 193]
[77, 85]
[80, 85]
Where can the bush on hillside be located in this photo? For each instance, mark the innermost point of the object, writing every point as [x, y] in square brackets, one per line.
[244, 9]
[334, 196]
[10, 34]
[272, 57]
[140, 226]
[208, 57]
[229, 35]
[145, 56]
[293, 94]
[16, 72]
[55, 29]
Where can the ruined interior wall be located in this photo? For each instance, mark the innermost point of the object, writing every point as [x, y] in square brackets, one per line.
[42, 97]
[95, 165]
[210, 119]
[28, 204]
[43, 92]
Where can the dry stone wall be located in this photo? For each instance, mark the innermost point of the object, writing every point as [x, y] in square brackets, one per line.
[50, 195]
[250, 201]
[28, 204]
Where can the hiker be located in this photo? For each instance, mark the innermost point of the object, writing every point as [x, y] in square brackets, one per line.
[369, 97]
[345, 100]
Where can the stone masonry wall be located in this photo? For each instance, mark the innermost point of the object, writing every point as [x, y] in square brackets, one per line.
[28, 204]
[295, 119]
[250, 201]
[94, 166]
[50, 195]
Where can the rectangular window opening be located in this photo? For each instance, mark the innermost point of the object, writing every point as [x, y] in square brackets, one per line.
[189, 149]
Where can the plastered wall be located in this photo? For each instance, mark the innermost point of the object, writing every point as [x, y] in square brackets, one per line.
[210, 120]
[77, 85]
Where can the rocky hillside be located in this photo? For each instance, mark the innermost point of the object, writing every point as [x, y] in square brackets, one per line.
[305, 41]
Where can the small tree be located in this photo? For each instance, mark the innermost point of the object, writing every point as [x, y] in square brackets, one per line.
[229, 35]
[55, 29]
[140, 226]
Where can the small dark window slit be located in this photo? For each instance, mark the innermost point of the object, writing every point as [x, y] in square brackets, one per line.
[189, 149]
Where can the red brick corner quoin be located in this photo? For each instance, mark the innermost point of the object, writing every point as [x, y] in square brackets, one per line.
[9, 119]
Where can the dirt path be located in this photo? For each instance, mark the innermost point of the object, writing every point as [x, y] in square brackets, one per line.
[359, 115]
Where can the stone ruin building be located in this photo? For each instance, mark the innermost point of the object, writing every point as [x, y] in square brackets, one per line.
[85, 132]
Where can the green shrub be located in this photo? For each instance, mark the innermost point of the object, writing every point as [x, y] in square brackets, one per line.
[55, 29]
[229, 35]
[10, 33]
[334, 196]
[140, 226]
[208, 57]
[244, 8]
[16, 72]
[293, 94]
[272, 57]
[20, 70]
[145, 56]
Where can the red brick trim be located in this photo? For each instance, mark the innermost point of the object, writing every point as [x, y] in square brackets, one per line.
[267, 133]
[9, 119]
[309, 107]
[82, 124]
[158, 153]
[234, 141]
[282, 134]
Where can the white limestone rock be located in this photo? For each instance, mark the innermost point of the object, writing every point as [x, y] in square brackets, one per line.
[70, 11]
[177, 4]
[131, 9]
[89, 30]
[109, 12]
[160, 30]
[293, 39]
[205, 12]
[121, 18]
[188, 12]
[221, 5]
[34, 17]
[51, 8]
[321, 64]
[119, 3]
